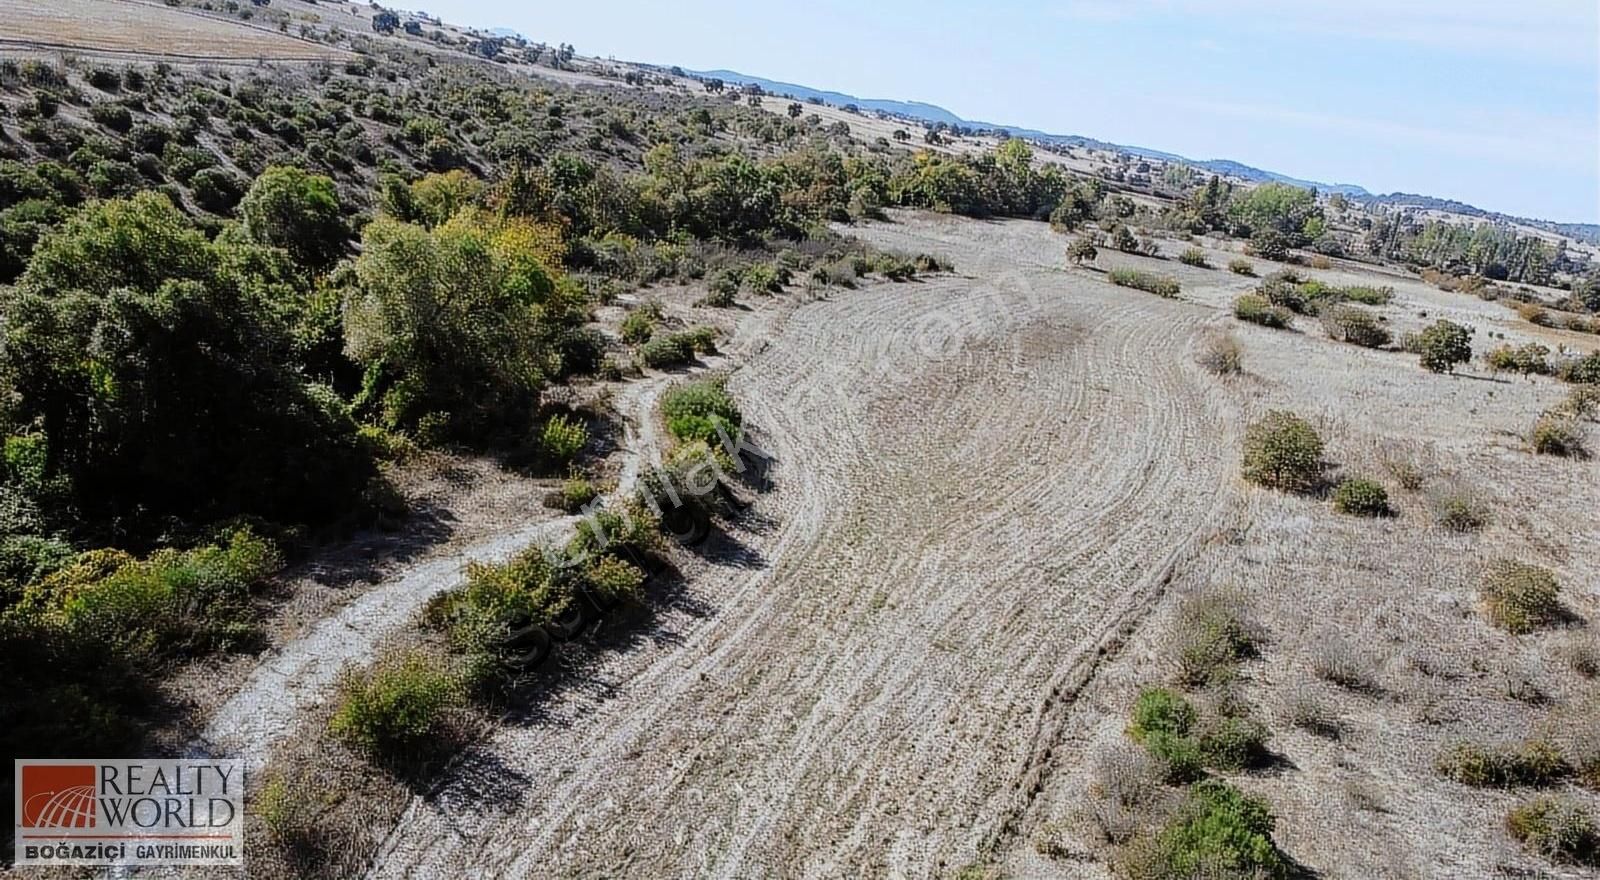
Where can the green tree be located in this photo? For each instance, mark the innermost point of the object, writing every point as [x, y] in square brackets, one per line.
[299, 212]
[154, 360]
[1443, 345]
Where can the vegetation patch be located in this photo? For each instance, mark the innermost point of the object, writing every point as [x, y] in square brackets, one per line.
[1160, 285]
[1258, 310]
[1361, 497]
[1282, 451]
[1218, 831]
[1520, 598]
[702, 410]
[1558, 829]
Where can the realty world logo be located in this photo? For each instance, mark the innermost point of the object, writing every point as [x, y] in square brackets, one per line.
[156, 811]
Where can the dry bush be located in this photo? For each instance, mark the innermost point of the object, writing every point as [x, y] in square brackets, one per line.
[1336, 662]
[1459, 509]
[1223, 356]
[1320, 261]
[1308, 711]
[1582, 653]
[1125, 793]
[1582, 403]
[1534, 763]
[1211, 637]
[1355, 325]
[1520, 598]
[1241, 266]
[1403, 467]
[1558, 829]
[1556, 433]
[1194, 257]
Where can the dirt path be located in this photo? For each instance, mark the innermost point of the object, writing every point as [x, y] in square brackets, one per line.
[982, 480]
[300, 673]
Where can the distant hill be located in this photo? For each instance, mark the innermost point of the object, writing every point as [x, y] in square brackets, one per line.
[1587, 232]
[934, 113]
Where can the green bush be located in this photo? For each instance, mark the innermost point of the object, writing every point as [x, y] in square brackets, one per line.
[1258, 310]
[613, 580]
[700, 410]
[1534, 763]
[1218, 831]
[1361, 497]
[1194, 257]
[638, 326]
[398, 707]
[1369, 296]
[1354, 325]
[1239, 266]
[172, 603]
[562, 438]
[296, 211]
[631, 534]
[1159, 285]
[1161, 710]
[111, 115]
[666, 352]
[575, 493]
[1558, 829]
[1444, 344]
[1529, 359]
[1520, 598]
[1282, 451]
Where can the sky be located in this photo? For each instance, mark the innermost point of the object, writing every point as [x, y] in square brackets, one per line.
[1492, 102]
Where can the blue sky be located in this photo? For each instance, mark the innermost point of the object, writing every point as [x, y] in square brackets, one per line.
[1492, 102]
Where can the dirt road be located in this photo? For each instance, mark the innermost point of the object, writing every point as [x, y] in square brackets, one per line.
[982, 481]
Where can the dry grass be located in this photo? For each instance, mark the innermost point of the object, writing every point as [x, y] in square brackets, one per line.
[148, 29]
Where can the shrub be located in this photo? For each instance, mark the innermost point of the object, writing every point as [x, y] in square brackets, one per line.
[1320, 261]
[1459, 510]
[1583, 371]
[1194, 257]
[1082, 250]
[764, 278]
[170, 603]
[638, 325]
[398, 706]
[1218, 831]
[1443, 345]
[1557, 829]
[1305, 711]
[701, 410]
[575, 493]
[1223, 356]
[1533, 763]
[1337, 663]
[1529, 359]
[665, 352]
[1354, 325]
[1282, 451]
[1211, 638]
[111, 115]
[1370, 296]
[1161, 710]
[562, 438]
[1583, 402]
[1360, 497]
[1240, 266]
[1258, 310]
[1520, 598]
[1582, 653]
[1555, 433]
[1233, 744]
[1159, 285]
[1270, 244]
[610, 579]
[216, 190]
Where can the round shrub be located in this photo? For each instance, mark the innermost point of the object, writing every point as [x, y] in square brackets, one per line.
[1360, 497]
[1443, 345]
[396, 707]
[1242, 267]
[1161, 710]
[1520, 598]
[1282, 451]
[1233, 744]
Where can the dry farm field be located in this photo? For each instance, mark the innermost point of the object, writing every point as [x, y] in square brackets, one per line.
[133, 28]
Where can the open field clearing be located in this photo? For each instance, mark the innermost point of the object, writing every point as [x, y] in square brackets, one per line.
[957, 540]
[128, 27]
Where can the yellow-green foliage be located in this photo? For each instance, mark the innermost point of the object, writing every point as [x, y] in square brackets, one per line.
[1520, 598]
[396, 707]
[1283, 451]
